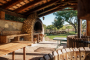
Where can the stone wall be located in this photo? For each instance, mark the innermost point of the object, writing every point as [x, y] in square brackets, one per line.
[28, 26]
[8, 27]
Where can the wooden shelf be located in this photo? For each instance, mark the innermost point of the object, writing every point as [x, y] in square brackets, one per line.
[6, 38]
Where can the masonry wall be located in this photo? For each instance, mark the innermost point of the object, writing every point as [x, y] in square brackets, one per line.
[28, 26]
[10, 27]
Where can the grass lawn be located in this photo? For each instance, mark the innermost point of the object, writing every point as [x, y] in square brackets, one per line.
[61, 35]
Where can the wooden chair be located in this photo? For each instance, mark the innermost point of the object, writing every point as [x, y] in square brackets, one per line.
[68, 54]
[82, 53]
[46, 57]
[64, 54]
[51, 56]
[71, 53]
[55, 55]
[60, 56]
[76, 54]
[41, 58]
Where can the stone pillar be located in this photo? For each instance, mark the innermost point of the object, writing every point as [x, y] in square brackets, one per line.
[2, 15]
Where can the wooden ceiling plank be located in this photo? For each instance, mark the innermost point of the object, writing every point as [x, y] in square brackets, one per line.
[10, 4]
[26, 6]
[12, 13]
[40, 7]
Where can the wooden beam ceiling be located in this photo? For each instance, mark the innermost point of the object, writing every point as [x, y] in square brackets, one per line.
[40, 7]
[11, 3]
[53, 7]
[26, 6]
[54, 10]
[12, 13]
[49, 9]
[50, 12]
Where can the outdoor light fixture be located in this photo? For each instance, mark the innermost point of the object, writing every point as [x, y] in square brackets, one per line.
[43, 17]
[43, 14]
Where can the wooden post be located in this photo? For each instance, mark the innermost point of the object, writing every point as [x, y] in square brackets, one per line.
[79, 28]
[2, 15]
[88, 28]
[81, 25]
[24, 54]
[13, 57]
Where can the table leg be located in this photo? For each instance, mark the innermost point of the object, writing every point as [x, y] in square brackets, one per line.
[57, 45]
[24, 54]
[13, 57]
[60, 43]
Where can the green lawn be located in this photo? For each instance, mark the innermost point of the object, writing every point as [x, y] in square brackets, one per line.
[61, 35]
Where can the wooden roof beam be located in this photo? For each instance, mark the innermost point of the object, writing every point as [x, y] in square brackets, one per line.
[41, 7]
[50, 12]
[57, 9]
[45, 11]
[11, 3]
[26, 6]
[49, 9]
[12, 13]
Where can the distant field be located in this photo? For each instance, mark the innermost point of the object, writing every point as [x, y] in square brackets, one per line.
[61, 35]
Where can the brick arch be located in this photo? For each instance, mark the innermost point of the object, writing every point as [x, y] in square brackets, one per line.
[38, 20]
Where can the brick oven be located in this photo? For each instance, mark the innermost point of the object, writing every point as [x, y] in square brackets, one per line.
[34, 27]
[38, 31]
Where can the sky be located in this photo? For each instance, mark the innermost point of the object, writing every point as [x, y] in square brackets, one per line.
[49, 19]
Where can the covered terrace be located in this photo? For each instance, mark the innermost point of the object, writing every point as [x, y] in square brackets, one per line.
[31, 30]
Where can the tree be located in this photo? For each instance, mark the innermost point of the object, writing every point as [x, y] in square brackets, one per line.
[69, 16]
[50, 27]
[83, 25]
[58, 23]
[44, 26]
[68, 27]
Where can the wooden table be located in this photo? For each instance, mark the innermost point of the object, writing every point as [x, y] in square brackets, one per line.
[6, 38]
[59, 39]
[12, 47]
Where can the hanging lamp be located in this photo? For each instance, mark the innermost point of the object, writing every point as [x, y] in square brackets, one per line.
[43, 16]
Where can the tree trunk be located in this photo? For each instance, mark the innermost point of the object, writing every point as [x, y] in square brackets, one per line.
[75, 29]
